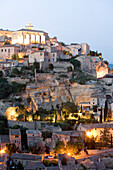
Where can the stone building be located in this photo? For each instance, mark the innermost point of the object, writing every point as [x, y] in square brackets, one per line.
[15, 137]
[7, 51]
[29, 36]
[24, 159]
[33, 137]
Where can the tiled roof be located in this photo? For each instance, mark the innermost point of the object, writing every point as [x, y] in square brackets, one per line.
[97, 125]
[34, 165]
[26, 156]
[32, 131]
[4, 138]
[31, 30]
[14, 132]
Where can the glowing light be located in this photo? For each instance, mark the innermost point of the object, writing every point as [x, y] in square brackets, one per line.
[89, 134]
[69, 154]
[2, 151]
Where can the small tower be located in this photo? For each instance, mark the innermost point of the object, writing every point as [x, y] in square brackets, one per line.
[29, 26]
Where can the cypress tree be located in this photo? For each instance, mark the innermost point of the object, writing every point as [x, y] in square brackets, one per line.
[105, 110]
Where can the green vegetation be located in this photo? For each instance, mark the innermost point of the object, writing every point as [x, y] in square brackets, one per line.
[5, 88]
[106, 110]
[7, 42]
[82, 78]
[50, 163]
[51, 67]
[63, 75]
[72, 147]
[59, 147]
[1, 74]
[4, 130]
[15, 57]
[95, 53]
[46, 134]
[105, 137]
[90, 142]
[11, 148]
[17, 87]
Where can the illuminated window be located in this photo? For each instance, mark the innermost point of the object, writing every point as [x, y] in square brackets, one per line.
[25, 36]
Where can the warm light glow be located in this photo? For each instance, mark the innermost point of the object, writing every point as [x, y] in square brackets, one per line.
[92, 133]
[2, 151]
[89, 134]
[11, 113]
[101, 69]
[69, 154]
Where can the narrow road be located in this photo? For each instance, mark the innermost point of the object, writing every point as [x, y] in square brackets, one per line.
[93, 153]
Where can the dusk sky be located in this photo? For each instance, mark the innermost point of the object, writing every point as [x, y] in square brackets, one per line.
[78, 21]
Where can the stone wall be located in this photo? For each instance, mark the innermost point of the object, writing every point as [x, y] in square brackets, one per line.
[17, 80]
[30, 125]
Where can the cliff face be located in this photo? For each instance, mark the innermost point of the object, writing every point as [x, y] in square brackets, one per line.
[53, 92]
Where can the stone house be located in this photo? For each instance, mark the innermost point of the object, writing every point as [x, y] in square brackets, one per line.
[15, 137]
[67, 136]
[3, 161]
[35, 166]
[8, 64]
[32, 137]
[24, 159]
[4, 140]
[7, 51]
[95, 129]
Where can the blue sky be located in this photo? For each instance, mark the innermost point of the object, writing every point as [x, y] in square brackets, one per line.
[89, 21]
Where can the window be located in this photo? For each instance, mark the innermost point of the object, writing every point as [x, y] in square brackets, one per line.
[8, 50]
[16, 136]
[53, 55]
[40, 54]
[1, 50]
[5, 50]
[25, 36]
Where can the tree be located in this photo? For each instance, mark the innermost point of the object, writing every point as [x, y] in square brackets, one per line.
[1, 74]
[19, 166]
[81, 109]
[105, 137]
[15, 57]
[51, 67]
[11, 148]
[46, 134]
[106, 62]
[39, 148]
[69, 69]
[21, 117]
[95, 108]
[90, 142]
[75, 62]
[22, 113]
[70, 107]
[5, 88]
[15, 71]
[105, 110]
[74, 147]
[101, 116]
[59, 147]
[7, 42]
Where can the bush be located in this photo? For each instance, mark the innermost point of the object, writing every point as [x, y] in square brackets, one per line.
[50, 163]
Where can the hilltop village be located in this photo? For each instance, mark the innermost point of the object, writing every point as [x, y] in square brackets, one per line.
[56, 104]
